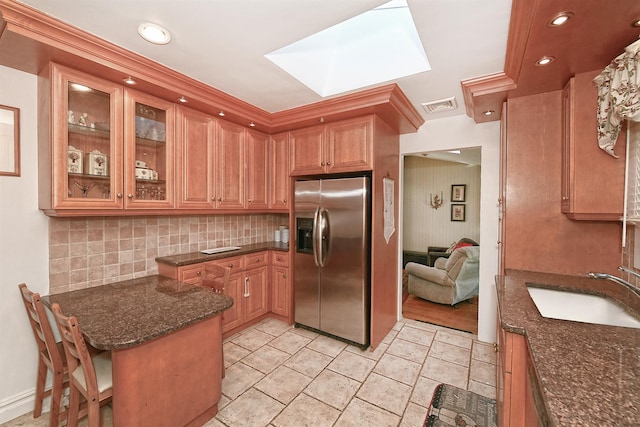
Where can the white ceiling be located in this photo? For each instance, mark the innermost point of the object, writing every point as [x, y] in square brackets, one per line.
[223, 42]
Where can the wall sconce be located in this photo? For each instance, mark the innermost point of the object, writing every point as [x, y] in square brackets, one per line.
[436, 201]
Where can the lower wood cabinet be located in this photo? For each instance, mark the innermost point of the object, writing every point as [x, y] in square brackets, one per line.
[519, 402]
[280, 289]
[258, 284]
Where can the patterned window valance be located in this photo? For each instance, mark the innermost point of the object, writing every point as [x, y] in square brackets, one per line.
[618, 96]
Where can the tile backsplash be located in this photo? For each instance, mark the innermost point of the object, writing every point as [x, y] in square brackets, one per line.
[86, 252]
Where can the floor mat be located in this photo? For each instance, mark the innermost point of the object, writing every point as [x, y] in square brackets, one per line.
[453, 406]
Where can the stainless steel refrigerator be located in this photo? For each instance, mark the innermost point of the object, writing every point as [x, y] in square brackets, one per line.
[332, 257]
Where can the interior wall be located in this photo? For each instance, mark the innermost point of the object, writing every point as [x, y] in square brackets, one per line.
[462, 132]
[425, 226]
[24, 251]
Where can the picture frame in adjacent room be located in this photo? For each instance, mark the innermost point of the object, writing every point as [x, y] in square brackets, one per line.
[9, 141]
[457, 212]
[458, 192]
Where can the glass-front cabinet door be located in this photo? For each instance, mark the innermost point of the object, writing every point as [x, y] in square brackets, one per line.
[87, 141]
[149, 151]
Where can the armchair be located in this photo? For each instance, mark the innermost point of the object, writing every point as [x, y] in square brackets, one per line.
[450, 281]
[435, 252]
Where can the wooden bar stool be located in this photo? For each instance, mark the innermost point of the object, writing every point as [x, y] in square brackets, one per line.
[89, 377]
[50, 357]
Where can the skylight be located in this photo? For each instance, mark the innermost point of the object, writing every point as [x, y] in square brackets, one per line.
[376, 46]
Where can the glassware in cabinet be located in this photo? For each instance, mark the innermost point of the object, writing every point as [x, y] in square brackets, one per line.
[149, 151]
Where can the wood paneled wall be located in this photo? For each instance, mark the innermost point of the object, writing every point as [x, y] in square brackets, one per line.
[424, 226]
[538, 237]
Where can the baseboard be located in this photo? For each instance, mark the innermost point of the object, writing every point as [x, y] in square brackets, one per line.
[18, 405]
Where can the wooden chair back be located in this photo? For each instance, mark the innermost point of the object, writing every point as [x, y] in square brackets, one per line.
[75, 347]
[82, 371]
[50, 355]
[216, 277]
[44, 335]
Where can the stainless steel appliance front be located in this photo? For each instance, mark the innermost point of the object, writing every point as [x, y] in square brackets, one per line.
[332, 257]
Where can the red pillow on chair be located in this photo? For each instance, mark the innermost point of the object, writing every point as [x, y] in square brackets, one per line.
[462, 245]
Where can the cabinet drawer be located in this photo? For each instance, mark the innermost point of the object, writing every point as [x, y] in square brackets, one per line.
[257, 259]
[235, 263]
[280, 258]
[192, 274]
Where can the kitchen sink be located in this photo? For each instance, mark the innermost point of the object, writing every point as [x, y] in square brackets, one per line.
[579, 307]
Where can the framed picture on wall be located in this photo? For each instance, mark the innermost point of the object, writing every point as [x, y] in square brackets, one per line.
[458, 192]
[9, 141]
[457, 212]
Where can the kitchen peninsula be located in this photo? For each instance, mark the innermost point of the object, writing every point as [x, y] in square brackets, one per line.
[166, 342]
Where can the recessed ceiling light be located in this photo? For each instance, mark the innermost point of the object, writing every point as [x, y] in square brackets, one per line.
[154, 33]
[221, 113]
[560, 19]
[183, 100]
[252, 124]
[636, 23]
[488, 112]
[545, 60]
[129, 80]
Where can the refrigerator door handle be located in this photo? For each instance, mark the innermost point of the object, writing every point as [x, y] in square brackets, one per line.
[315, 238]
[324, 236]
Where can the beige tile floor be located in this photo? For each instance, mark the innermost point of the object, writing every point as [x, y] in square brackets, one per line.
[280, 376]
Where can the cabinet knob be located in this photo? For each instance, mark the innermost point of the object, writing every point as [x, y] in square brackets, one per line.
[250, 200]
[321, 163]
[257, 259]
[230, 266]
[279, 258]
[130, 196]
[199, 273]
[285, 200]
[495, 347]
[284, 276]
[219, 199]
[119, 195]
[328, 163]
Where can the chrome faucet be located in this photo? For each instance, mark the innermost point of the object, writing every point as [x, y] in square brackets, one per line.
[633, 288]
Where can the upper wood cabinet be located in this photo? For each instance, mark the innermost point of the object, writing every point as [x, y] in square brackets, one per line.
[345, 146]
[149, 157]
[592, 180]
[80, 148]
[257, 152]
[195, 135]
[279, 154]
[230, 166]
[350, 145]
[102, 147]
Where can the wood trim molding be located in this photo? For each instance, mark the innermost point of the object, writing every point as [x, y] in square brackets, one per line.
[29, 40]
[486, 93]
[489, 92]
[520, 24]
[389, 102]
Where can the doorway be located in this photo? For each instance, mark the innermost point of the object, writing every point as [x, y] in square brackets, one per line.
[432, 218]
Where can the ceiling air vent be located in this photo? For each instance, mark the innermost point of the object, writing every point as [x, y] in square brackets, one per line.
[440, 105]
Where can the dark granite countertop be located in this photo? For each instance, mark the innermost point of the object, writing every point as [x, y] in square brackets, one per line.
[589, 374]
[124, 314]
[197, 257]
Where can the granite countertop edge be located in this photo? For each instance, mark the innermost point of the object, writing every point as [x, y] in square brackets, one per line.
[189, 258]
[128, 313]
[574, 362]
